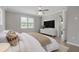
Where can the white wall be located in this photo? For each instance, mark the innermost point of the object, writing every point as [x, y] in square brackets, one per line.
[72, 17]
[2, 26]
[13, 22]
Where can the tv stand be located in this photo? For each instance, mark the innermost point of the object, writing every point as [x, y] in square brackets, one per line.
[48, 31]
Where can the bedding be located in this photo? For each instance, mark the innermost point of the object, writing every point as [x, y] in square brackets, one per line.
[50, 44]
[54, 45]
[41, 38]
[3, 36]
[28, 43]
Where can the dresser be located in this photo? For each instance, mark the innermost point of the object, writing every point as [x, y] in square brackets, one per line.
[49, 31]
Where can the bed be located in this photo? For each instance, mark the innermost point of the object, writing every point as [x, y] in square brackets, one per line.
[29, 43]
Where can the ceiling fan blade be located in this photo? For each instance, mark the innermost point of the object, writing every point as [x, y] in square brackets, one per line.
[43, 10]
[40, 8]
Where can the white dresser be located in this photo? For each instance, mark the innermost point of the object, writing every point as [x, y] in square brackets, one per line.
[49, 31]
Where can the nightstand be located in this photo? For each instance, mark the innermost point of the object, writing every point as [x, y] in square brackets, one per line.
[4, 47]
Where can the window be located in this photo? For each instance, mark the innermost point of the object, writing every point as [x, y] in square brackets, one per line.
[27, 22]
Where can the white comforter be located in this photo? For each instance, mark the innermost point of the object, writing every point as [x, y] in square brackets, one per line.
[28, 43]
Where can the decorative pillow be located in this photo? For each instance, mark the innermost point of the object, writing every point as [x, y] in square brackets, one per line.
[12, 38]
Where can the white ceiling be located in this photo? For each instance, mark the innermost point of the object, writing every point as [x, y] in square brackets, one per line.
[33, 9]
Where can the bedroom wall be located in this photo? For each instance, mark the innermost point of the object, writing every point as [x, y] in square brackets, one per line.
[13, 22]
[2, 27]
[72, 17]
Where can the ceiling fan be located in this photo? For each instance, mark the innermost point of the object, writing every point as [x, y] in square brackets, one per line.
[41, 10]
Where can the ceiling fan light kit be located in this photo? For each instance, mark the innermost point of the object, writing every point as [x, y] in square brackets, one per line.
[40, 13]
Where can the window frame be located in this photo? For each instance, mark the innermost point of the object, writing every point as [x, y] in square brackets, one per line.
[27, 23]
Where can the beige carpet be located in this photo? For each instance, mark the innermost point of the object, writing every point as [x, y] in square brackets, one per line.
[63, 48]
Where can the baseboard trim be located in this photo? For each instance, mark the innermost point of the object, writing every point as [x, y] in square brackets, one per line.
[73, 44]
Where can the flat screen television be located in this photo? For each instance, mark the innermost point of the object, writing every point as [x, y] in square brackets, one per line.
[49, 24]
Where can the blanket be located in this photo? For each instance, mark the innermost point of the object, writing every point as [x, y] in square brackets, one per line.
[41, 38]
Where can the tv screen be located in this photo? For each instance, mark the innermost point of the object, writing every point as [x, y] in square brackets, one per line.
[49, 24]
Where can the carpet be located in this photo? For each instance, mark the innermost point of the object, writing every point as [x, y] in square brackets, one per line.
[63, 48]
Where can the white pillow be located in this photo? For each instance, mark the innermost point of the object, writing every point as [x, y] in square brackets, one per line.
[3, 36]
[19, 36]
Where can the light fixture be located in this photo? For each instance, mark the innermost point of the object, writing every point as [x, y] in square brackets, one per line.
[41, 11]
